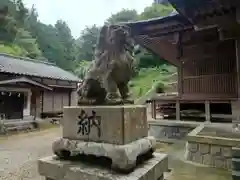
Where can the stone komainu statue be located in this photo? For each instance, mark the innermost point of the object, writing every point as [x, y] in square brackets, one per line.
[111, 69]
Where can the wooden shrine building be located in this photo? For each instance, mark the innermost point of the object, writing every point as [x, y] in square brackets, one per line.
[202, 39]
[32, 89]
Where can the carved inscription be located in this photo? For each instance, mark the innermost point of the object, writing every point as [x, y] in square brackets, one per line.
[87, 122]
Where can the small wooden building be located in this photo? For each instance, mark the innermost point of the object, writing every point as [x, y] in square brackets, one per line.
[30, 88]
[202, 39]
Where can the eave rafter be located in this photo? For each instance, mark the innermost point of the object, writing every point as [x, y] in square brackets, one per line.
[161, 47]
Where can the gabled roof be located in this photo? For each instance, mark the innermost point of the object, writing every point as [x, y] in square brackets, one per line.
[192, 9]
[25, 80]
[31, 67]
[156, 24]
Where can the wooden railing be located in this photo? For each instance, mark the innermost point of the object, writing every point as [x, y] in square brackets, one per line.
[208, 84]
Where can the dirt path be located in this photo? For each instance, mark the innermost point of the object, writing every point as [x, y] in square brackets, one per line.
[19, 154]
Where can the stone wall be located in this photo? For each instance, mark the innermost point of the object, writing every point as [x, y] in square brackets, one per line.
[168, 131]
[217, 156]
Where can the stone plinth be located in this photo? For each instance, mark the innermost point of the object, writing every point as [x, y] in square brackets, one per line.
[170, 131]
[54, 169]
[210, 148]
[124, 157]
[120, 124]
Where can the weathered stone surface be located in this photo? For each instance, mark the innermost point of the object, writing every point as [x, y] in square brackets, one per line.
[197, 157]
[228, 164]
[110, 124]
[216, 150]
[204, 148]
[192, 147]
[207, 160]
[188, 155]
[123, 156]
[171, 132]
[55, 169]
[219, 162]
[226, 151]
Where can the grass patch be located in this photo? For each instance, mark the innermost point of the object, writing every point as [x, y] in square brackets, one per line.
[149, 78]
[12, 49]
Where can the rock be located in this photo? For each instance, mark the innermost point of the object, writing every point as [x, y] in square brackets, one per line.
[55, 169]
[123, 157]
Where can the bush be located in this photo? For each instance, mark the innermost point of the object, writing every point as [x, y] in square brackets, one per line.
[159, 88]
[82, 68]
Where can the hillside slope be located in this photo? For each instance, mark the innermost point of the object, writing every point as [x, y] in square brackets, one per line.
[152, 78]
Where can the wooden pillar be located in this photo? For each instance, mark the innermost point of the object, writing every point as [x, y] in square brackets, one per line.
[74, 98]
[153, 109]
[237, 46]
[235, 105]
[207, 111]
[235, 112]
[178, 116]
[180, 80]
[180, 67]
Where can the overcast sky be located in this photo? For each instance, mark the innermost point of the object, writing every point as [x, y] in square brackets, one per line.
[80, 13]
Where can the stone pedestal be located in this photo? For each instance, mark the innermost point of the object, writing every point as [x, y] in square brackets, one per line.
[115, 132]
[53, 169]
[123, 157]
[120, 124]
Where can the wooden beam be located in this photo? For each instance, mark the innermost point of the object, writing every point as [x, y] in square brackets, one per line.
[161, 26]
[163, 48]
[168, 37]
[178, 115]
[238, 15]
[197, 28]
[207, 111]
[153, 109]
[169, 31]
[229, 32]
[193, 37]
[216, 20]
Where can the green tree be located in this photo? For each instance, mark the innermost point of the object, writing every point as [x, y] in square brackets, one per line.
[82, 68]
[86, 43]
[65, 38]
[24, 39]
[125, 15]
[156, 10]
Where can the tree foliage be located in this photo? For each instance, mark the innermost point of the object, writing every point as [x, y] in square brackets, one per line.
[156, 10]
[22, 34]
[124, 15]
[86, 43]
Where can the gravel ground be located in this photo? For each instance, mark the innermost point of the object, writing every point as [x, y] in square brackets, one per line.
[19, 154]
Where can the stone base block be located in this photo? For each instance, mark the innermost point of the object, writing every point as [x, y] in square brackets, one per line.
[120, 124]
[124, 157]
[54, 169]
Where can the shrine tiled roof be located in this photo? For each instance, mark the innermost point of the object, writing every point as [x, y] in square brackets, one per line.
[30, 67]
[194, 8]
[137, 27]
